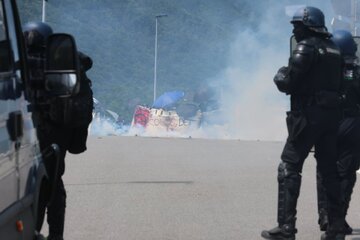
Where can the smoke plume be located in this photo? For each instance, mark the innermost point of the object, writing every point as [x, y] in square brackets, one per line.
[253, 108]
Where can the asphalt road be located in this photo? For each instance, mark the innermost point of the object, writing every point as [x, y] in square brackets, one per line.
[133, 188]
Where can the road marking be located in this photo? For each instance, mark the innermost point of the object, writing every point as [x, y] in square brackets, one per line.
[162, 182]
[132, 182]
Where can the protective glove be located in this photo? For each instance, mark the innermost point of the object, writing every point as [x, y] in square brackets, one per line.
[282, 80]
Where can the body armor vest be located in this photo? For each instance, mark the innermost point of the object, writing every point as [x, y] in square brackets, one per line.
[318, 67]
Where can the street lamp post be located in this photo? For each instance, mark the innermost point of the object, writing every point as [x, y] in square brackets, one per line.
[354, 16]
[156, 46]
[43, 10]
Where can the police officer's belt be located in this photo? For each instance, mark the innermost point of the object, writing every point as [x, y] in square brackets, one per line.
[351, 112]
[326, 99]
[301, 101]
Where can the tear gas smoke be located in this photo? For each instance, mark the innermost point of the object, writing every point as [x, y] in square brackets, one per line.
[251, 106]
[253, 109]
[106, 127]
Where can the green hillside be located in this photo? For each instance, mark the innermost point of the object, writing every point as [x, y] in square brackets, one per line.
[194, 42]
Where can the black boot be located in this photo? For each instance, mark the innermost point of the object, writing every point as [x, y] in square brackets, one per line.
[347, 185]
[285, 232]
[335, 230]
[39, 236]
[323, 220]
[322, 202]
[52, 237]
[347, 229]
[289, 187]
[324, 223]
[328, 236]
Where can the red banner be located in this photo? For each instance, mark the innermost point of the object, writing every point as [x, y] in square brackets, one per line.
[141, 116]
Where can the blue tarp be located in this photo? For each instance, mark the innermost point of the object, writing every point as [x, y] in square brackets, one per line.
[167, 99]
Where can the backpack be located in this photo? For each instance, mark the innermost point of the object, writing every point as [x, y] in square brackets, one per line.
[80, 113]
[75, 112]
[80, 106]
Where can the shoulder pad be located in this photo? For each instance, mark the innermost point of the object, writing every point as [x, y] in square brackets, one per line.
[303, 57]
[321, 46]
[307, 45]
[331, 47]
[303, 48]
[313, 41]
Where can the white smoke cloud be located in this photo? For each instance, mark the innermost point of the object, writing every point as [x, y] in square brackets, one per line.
[253, 107]
[106, 127]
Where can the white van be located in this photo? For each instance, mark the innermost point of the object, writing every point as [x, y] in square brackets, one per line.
[23, 174]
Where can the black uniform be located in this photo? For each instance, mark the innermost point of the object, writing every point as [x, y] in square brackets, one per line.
[348, 143]
[49, 133]
[313, 80]
[63, 121]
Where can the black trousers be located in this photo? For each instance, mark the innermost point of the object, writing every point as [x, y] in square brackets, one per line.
[308, 127]
[49, 134]
[348, 162]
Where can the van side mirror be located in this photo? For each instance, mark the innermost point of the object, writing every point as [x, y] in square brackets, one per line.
[61, 66]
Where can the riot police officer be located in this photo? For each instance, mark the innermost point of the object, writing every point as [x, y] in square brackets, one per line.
[48, 132]
[349, 130]
[312, 79]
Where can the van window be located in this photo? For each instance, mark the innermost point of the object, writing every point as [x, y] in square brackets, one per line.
[4, 46]
[12, 38]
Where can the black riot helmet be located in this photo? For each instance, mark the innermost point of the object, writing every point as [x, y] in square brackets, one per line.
[35, 34]
[85, 61]
[345, 41]
[312, 18]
